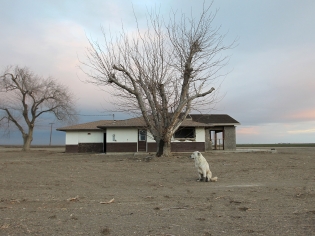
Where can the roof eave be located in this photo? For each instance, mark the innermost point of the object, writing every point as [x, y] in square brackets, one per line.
[225, 124]
[117, 126]
[65, 130]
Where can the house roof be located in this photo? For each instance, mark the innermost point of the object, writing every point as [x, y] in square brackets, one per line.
[133, 122]
[85, 126]
[139, 122]
[193, 120]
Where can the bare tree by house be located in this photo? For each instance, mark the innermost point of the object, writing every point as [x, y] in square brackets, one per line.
[25, 96]
[163, 71]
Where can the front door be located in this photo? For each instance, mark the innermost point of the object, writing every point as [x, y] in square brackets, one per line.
[142, 140]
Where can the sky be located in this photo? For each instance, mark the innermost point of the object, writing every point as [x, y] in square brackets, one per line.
[270, 82]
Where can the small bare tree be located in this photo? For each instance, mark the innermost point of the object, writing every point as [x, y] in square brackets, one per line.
[24, 97]
[164, 71]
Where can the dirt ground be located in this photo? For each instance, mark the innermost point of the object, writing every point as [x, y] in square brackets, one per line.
[48, 192]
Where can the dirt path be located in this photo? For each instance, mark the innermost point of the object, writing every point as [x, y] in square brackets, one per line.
[47, 192]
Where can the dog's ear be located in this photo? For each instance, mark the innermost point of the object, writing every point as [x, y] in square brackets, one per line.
[198, 153]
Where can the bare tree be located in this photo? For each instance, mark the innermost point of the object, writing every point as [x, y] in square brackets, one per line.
[25, 96]
[164, 71]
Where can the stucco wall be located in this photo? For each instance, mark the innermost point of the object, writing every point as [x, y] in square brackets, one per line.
[71, 138]
[122, 135]
[229, 138]
[76, 137]
[121, 139]
[200, 134]
[150, 138]
[124, 140]
[208, 146]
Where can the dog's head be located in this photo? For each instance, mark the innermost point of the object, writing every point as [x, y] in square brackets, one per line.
[195, 154]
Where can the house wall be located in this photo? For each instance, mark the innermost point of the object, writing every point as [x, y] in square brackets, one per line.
[124, 140]
[229, 138]
[71, 138]
[190, 146]
[122, 135]
[150, 138]
[84, 141]
[151, 144]
[187, 146]
[76, 137]
[182, 146]
[200, 135]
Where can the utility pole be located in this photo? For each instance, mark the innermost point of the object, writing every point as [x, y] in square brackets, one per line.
[50, 132]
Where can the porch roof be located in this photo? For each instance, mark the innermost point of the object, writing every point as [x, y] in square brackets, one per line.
[214, 119]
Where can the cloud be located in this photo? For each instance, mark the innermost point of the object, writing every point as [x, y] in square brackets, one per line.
[277, 133]
[306, 115]
[248, 130]
[272, 86]
[302, 131]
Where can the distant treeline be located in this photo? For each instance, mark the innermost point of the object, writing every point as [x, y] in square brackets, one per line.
[278, 145]
[32, 146]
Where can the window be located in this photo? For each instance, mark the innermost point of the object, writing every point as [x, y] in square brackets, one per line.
[185, 133]
[142, 135]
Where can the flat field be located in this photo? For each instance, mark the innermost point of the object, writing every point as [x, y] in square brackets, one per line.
[49, 192]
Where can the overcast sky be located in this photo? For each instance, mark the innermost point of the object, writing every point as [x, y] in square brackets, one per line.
[270, 88]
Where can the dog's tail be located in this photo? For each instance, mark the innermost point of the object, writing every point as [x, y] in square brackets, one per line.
[214, 179]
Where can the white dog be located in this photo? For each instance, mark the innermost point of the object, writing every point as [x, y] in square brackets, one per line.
[203, 167]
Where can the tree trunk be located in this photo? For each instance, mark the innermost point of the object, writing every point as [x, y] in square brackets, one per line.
[27, 140]
[164, 148]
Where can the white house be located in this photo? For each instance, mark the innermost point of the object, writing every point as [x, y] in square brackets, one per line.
[195, 133]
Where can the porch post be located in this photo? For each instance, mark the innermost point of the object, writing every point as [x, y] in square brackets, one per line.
[208, 146]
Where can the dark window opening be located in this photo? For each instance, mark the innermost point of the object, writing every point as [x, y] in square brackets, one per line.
[142, 135]
[185, 133]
